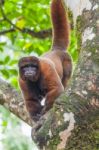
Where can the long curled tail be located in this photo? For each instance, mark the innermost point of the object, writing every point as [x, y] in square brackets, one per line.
[60, 26]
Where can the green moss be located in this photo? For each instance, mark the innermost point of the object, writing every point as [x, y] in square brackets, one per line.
[70, 16]
[53, 143]
[56, 139]
[85, 137]
[79, 32]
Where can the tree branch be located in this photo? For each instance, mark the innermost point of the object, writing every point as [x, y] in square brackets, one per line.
[41, 34]
[7, 31]
[1, 19]
[13, 101]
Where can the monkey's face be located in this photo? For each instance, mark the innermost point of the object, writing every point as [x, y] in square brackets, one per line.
[29, 68]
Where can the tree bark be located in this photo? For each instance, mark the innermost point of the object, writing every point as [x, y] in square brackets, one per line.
[73, 122]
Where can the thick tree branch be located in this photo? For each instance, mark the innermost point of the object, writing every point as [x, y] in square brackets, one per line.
[13, 101]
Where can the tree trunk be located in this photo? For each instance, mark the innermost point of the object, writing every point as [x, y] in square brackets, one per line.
[73, 122]
[77, 110]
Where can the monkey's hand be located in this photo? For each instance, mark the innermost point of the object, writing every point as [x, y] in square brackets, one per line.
[50, 98]
[36, 117]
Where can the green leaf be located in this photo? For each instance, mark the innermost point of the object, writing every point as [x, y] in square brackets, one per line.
[4, 123]
[7, 59]
[20, 23]
[13, 72]
[1, 62]
[1, 49]
[14, 81]
[5, 73]
[27, 45]
[13, 62]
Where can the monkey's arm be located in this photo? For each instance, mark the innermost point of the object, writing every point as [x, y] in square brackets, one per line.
[32, 100]
[50, 98]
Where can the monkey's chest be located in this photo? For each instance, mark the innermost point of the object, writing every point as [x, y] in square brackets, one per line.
[42, 87]
[39, 91]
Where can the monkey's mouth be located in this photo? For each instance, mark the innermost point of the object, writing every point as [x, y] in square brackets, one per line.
[29, 76]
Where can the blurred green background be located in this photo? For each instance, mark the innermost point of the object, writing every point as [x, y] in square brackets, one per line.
[17, 17]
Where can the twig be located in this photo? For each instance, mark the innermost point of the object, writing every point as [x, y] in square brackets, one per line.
[7, 31]
[41, 34]
[1, 19]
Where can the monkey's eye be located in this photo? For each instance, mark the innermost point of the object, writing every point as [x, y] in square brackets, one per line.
[23, 67]
[33, 65]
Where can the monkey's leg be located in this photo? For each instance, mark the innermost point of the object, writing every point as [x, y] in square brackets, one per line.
[34, 108]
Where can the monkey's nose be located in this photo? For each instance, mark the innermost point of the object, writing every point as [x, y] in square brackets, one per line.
[28, 72]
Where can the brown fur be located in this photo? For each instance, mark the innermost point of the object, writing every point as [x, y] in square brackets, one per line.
[60, 25]
[54, 67]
